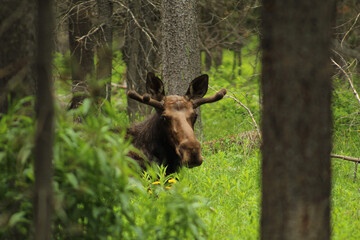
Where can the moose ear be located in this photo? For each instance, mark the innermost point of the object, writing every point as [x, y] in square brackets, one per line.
[155, 87]
[198, 87]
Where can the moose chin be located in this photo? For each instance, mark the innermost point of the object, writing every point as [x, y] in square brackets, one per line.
[167, 137]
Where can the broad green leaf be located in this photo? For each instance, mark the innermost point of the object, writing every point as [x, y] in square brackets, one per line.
[73, 180]
[17, 217]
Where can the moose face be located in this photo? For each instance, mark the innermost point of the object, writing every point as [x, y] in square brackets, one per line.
[177, 115]
[178, 119]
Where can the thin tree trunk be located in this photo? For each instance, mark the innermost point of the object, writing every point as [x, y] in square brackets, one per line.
[104, 50]
[208, 61]
[45, 124]
[296, 119]
[218, 56]
[239, 56]
[82, 53]
[18, 44]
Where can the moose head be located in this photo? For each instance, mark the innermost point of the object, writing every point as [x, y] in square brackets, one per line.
[176, 116]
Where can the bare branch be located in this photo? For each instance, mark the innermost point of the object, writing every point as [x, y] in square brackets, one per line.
[349, 79]
[351, 159]
[147, 34]
[247, 109]
[352, 26]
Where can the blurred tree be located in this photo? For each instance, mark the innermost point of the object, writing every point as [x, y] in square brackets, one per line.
[140, 51]
[43, 194]
[296, 120]
[81, 48]
[226, 25]
[18, 47]
[104, 48]
[347, 32]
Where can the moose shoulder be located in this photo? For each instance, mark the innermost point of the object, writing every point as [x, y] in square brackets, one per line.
[167, 137]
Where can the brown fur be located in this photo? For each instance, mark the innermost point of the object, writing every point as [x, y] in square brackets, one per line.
[167, 137]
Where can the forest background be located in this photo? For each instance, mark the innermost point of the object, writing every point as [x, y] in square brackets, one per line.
[104, 48]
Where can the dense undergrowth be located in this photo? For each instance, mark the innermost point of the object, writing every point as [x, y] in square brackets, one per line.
[99, 193]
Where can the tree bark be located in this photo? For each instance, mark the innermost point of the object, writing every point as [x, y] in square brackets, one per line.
[296, 86]
[45, 123]
[296, 119]
[18, 47]
[140, 51]
[180, 50]
[181, 61]
[104, 50]
[82, 53]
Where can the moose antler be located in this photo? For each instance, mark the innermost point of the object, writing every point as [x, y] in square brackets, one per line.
[146, 99]
[216, 97]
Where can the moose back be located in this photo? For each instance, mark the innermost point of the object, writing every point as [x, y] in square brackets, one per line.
[167, 137]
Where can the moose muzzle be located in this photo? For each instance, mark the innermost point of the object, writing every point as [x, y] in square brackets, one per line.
[190, 153]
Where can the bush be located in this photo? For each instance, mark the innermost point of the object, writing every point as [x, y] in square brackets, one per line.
[98, 193]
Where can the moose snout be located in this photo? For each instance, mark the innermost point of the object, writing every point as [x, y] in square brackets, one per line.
[190, 153]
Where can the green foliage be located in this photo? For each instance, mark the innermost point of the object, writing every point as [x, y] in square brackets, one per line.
[98, 193]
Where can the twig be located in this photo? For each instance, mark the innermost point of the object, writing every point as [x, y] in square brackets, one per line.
[349, 79]
[247, 109]
[91, 32]
[355, 170]
[351, 159]
[352, 26]
[138, 24]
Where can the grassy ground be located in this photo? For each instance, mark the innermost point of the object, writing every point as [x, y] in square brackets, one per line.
[229, 179]
[225, 191]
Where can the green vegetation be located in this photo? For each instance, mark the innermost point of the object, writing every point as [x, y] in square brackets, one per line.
[100, 195]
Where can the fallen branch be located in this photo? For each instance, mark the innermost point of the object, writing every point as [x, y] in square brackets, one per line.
[351, 159]
[119, 86]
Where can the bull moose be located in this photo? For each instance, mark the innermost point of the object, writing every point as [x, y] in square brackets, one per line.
[167, 137]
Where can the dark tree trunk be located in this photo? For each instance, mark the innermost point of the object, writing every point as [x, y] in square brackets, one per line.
[45, 124]
[81, 50]
[218, 60]
[296, 120]
[237, 61]
[104, 50]
[208, 61]
[140, 51]
[18, 47]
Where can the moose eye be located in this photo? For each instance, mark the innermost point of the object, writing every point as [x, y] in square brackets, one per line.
[163, 118]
